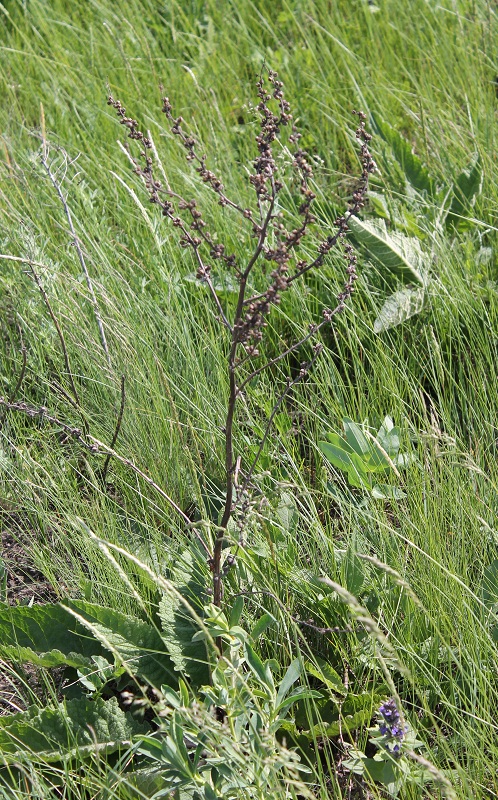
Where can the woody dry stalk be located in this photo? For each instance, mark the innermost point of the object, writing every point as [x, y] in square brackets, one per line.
[273, 241]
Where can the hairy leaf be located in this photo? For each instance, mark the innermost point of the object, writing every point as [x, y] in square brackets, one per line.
[179, 627]
[136, 644]
[399, 307]
[47, 636]
[399, 254]
[76, 727]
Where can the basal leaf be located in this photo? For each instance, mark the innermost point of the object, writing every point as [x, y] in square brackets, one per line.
[398, 254]
[326, 673]
[45, 635]
[467, 186]
[415, 172]
[489, 587]
[348, 462]
[76, 727]
[388, 437]
[384, 491]
[189, 655]
[355, 437]
[399, 307]
[135, 643]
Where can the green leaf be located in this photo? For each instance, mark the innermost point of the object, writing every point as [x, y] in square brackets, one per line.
[287, 512]
[399, 307]
[399, 254]
[384, 491]
[264, 622]
[291, 676]
[327, 674]
[301, 693]
[45, 635]
[236, 611]
[381, 771]
[348, 462]
[388, 437]
[355, 437]
[467, 186]
[260, 670]
[415, 172]
[489, 587]
[77, 727]
[136, 644]
[179, 627]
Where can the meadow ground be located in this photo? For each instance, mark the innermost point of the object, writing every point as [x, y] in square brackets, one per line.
[417, 558]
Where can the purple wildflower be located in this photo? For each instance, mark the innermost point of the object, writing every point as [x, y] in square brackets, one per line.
[390, 726]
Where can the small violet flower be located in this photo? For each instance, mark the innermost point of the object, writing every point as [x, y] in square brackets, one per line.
[390, 725]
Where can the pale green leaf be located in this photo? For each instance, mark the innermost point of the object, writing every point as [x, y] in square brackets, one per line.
[398, 254]
[399, 307]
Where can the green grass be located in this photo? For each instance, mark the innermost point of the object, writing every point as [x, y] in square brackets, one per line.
[427, 69]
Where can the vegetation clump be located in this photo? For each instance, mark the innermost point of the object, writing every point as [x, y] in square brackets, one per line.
[247, 427]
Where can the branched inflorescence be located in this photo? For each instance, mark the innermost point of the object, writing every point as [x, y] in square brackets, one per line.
[275, 242]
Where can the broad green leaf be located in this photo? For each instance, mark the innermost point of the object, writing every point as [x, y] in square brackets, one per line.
[348, 462]
[264, 622]
[180, 626]
[355, 437]
[328, 675]
[398, 307]
[138, 645]
[287, 512]
[353, 571]
[291, 676]
[388, 437]
[301, 693]
[415, 172]
[467, 186]
[76, 727]
[188, 656]
[45, 635]
[489, 587]
[399, 254]
[236, 611]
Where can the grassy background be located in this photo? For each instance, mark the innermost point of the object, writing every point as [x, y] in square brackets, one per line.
[426, 68]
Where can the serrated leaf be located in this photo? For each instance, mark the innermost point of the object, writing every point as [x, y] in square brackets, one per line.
[287, 512]
[76, 727]
[137, 644]
[399, 254]
[45, 635]
[414, 170]
[189, 656]
[400, 306]
[467, 186]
